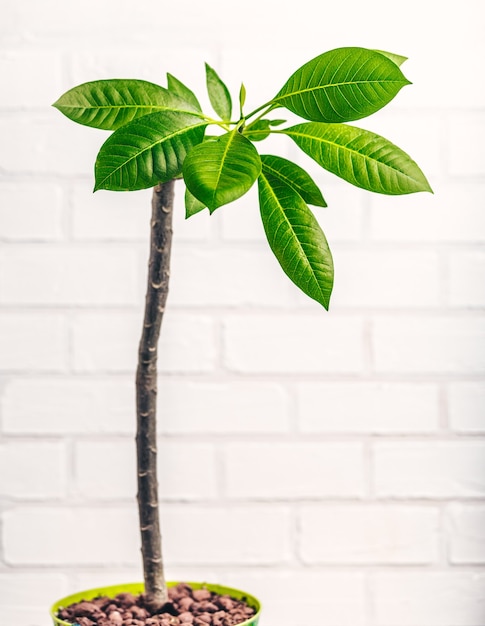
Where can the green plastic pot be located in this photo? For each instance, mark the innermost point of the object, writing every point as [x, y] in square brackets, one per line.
[137, 588]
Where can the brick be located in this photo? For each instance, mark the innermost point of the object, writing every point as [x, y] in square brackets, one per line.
[31, 212]
[467, 276]
[107, 470]
[435, 218]
[107, 216]
[296, 470]
[430, 598]
[341, 221]
[242, 220]
[32, 342]
[367, 407]
[466, 406]
[386, 279]
[32, 470]
[465, 526]
[368, 534]
[185, 62]
[466, 134]
[33, 77]
[421, 470]
[422, 64]
[26, 597]
[71, 536]
[228, 278]
[223, 408]
[64, 406]
[198, 535]
[440, 345]
[105, 577]
[109, 343]
[337, 598]
[21, 589]
[56, 145]
[58, 276]
[293, 344]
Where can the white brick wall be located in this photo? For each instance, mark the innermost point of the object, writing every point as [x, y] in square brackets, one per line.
[333, 464]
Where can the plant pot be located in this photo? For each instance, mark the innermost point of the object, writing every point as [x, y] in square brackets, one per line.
[137, 588]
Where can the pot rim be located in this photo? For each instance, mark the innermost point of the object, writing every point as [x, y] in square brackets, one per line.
[137, 588]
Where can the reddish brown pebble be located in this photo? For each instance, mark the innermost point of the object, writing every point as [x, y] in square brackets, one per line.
[85, 621]
[84, 609]
[185, 603]
[201, 594]
[225, 602]
[115, 618]
[186, 617]
[203, 609]
[126, 600]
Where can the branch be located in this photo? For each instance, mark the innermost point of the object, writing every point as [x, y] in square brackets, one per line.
[146, 394]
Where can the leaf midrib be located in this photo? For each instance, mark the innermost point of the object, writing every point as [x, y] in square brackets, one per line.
[329, 85]
[352, 151]
[224, 154]
[292, 229]
[167, 137]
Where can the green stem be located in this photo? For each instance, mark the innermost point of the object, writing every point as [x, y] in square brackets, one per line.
[265, 112]
[269, 105]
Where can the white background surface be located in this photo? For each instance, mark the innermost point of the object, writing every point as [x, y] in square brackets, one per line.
[333, 464]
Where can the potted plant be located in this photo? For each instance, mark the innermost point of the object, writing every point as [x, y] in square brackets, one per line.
[160, 135]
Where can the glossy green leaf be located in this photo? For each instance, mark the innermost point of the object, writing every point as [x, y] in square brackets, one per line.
[296, 239]
[257, 131]
[342, 85]
[220, 171]
[148, 151]
[294, 176]
[179, 89]
[360, 157]
[276, 122]
[395, 58]
[219, 95]
[192, 205]
[111, 104]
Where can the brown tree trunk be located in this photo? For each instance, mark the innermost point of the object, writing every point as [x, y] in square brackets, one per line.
[146, 393]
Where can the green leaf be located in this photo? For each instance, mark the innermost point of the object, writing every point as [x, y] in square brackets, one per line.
[110, 104]
[220, 171]
[242, 97]
[147, 151]
[192, 205]
[294, 176]
[342, 85]
[296, 239]
[219, 96]
[395, 58]
[276, 122]
[257, 131]
[179, 89]
[360, 157]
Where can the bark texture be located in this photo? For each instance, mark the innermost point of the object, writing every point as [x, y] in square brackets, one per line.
[146, 393]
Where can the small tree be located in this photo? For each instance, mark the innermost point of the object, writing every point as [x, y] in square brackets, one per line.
[160, 136]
